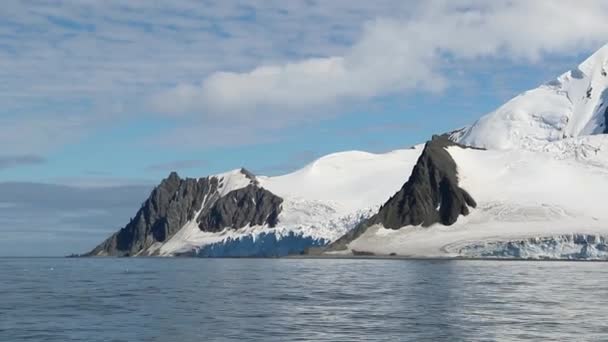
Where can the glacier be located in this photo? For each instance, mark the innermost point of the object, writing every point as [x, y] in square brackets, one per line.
[265, 244]
[564, 247]
[538, 173]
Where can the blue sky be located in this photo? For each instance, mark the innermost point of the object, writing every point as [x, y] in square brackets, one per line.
[120, 93]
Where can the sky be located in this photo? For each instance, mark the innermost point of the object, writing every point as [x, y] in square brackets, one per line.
[113, 95]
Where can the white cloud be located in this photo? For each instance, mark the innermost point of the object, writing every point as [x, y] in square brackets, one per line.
[396, 55]
[247, 69]
[98, 61]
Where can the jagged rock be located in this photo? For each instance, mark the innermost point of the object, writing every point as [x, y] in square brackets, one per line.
[250, 205]
[249, 175]
[431, 195]
[170, 205]
[605, 131]
[175, 201]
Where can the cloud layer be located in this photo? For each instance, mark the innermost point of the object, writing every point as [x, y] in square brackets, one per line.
[19, 160]
[51, 220]
[246, 70]
[396, 55]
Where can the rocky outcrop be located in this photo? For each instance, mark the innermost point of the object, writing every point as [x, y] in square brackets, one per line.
[170, 205]
[176, 201]
[605, 124]
[250, 205]
[431, 195]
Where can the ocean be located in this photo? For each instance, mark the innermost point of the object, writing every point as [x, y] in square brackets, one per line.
[164, 299]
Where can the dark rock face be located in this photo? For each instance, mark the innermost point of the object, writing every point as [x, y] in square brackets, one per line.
[431, 195]
[176, 201]
[249, 205]
[605, 131]
[170, 205]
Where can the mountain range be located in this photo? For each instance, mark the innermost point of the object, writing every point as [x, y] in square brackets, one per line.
[524, 181]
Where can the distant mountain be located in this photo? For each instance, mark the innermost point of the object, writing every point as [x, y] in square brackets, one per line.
[240, 214]
[37, 219]
[573, 105]
[525, 181]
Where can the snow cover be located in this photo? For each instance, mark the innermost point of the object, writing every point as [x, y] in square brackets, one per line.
[571, 105]
[539, 186]
[231, 180]
[526, 197]
[322, 201]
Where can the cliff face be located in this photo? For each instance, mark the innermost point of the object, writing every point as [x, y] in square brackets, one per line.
[170, 205]
[430, 195]
[175, 201]
[251, 205]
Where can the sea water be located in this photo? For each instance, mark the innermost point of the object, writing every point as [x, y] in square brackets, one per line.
[163, 299]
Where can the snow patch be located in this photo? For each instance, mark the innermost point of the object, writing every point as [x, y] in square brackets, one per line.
[231, 180]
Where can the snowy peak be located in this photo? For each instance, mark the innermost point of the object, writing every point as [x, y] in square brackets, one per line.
[234, 180]
[574, 104]
[177, 201]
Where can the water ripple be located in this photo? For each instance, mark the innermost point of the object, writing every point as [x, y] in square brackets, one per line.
[300, 300]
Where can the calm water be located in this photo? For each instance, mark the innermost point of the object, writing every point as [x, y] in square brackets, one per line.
[303, 300]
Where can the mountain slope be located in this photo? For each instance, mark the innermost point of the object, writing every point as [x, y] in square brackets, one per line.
[575, 104]
[172, 204]
[430, 195]
[539, 204]
[538, 184]
[239, 214]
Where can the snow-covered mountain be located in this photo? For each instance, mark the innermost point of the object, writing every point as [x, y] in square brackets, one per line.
[215, 216]
[575, 104]
[525, 181]
[542, 203]
[537, 183]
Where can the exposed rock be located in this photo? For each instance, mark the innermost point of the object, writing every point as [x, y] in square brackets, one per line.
[176, 201]
[250, 205]
[605, 131]
[170, 205]
[249, 175]
[431, 195]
